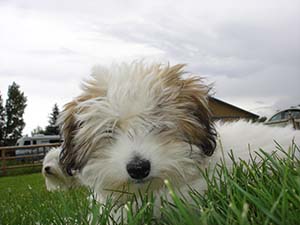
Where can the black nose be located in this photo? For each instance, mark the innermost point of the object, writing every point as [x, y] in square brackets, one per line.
[47, 169]
[138, 168]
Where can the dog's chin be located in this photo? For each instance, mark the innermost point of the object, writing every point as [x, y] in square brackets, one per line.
[140, 182]
[129, 187]
[150, 183]
[53, 184]
[105, 179]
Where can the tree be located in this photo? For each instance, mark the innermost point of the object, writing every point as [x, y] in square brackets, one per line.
[14, 110]
[37, 130]
[2, 121]
[52, 128]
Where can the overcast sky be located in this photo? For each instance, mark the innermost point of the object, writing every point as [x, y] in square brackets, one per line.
[250, 50]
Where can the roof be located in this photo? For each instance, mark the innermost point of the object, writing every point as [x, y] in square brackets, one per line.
[288, 109]
[233, 106]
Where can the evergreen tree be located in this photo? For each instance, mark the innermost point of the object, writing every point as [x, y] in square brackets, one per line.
[52, 128]
[14, 110]
[2, 121]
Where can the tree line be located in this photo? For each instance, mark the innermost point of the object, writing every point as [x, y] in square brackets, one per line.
[51, 128]
[11, 117]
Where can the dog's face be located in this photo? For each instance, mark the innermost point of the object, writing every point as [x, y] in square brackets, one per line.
[52, 171]
[136, 125]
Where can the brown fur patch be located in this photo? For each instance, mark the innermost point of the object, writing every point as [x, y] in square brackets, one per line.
[194, 117]
[69, 127]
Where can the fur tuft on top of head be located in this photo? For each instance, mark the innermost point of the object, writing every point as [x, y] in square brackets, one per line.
[137, 104]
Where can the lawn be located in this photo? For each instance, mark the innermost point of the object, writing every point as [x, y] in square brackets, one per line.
[25, 200]
[265, 193]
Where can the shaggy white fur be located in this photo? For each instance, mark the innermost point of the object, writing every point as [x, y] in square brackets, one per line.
[136, 125]
[54, 176]
[245, 139]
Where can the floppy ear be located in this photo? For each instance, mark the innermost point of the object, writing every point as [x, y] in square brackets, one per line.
[206, 138]
[194, 116]
[74, 152]
[70, 159]
[198, 126]
[68, 128]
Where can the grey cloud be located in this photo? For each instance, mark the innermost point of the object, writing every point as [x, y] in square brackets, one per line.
[251, 50]
[251, 56]
[233, 48]
[266, 42]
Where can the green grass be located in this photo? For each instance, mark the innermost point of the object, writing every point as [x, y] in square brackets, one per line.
[264, 193]
[24, 200]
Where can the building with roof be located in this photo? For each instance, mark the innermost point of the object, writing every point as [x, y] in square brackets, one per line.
[227, 112]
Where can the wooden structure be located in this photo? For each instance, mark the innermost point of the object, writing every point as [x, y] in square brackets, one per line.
[224, 111]
[33, 159]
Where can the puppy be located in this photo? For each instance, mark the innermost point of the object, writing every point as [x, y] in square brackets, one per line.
[136, 125]
[55, 177]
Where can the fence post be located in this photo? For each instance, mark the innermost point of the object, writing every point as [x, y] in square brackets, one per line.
[3, 167]
[44, 152]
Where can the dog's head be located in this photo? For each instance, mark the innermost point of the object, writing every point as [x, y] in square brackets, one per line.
[55, 177]
[135, 124]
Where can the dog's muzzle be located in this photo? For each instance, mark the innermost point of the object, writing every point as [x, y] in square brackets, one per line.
[47, 170]
[138, 168]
